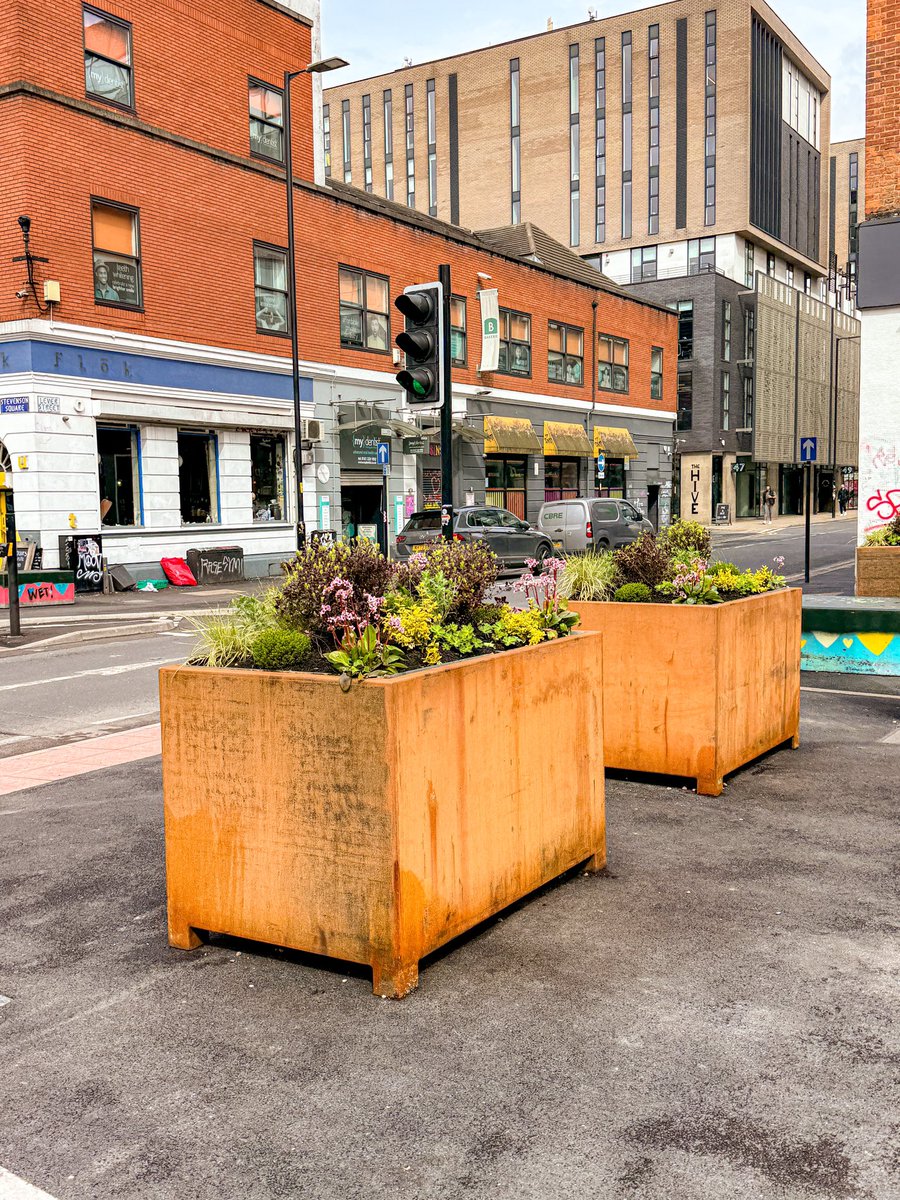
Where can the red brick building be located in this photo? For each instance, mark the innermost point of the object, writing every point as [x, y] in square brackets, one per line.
[153, 395]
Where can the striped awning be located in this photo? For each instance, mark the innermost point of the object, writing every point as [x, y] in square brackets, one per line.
[510, 435]
[562, 438]
[615, 441]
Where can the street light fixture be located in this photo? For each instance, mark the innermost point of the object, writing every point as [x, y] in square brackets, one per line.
[319, 67]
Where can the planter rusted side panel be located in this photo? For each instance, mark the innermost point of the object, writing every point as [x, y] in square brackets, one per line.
[698, 690]
[878, 570]
[376, 825]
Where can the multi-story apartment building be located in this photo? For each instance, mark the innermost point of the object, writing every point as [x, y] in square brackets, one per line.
[145, 316]
[679, 148]
[846, 209]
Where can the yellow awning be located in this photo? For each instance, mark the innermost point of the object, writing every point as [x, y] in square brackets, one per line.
[614, 441]
[510, 435]
[561, 438]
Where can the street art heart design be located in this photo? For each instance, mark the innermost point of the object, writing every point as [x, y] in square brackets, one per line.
[826, 640]
[876, 643]
[848, 642]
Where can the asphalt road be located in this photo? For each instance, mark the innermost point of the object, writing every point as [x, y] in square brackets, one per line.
[82, 690]
[713, 1019]
[832, 551]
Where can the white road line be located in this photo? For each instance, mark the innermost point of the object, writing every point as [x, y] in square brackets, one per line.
[844, 692]
[14, 1188]
[156, 662]
[892, 739]
[151, 712]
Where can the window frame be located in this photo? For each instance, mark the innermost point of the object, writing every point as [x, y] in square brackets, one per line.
[215, 493]
[614, 339]
[505, 315]
[274, 436]
[463, 330]
[365, 310]
[684, 308]
[566, 357]
[137, 481]
[128, 26]
[726, 330]
[679, 425]
[138, 261]
[726, 401]
[710, 269]
[253, 82]
[642, 256]
[282, 333]
[656, 377]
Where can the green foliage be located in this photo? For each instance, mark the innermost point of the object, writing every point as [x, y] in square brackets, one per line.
[226, 639]
[693, 584]
[589, 576]
[366, 654]
[734, 583]
[686, 540]
[316, 567]
[516, 627]
[436, 589]
[887, 535]
[469, 568]
[644, 561]
[281, 650]
[411, 621]
[461, 638]
[633, 593]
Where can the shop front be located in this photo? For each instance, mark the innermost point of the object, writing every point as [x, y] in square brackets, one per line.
[567, 456]
[508, 445]
[617, 446]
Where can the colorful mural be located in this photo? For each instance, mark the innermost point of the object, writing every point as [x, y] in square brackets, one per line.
[854, 653]
[33, 593]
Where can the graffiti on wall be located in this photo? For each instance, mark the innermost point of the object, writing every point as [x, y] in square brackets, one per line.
[879, 485]
[38, 593]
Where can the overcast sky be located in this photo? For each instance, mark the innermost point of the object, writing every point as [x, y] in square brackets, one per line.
[376, 36]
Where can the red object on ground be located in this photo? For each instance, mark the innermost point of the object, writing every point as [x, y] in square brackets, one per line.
[178, 572]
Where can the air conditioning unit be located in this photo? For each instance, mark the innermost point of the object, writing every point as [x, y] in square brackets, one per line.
[310, 430]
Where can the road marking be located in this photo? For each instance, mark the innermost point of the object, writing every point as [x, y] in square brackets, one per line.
[14, 1188]
[843, 692]
[892, 739]
[838, 566]
[156, 662]
[151, 712]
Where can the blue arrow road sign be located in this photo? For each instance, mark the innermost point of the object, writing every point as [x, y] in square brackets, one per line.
[384, 454]
[808, 449]
[601, 463]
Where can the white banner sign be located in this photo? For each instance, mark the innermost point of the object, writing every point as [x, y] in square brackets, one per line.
[490, 329]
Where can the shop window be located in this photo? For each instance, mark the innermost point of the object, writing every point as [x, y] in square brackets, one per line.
[685, 411]
[267, 470]
[515, 343]
[273, 310]
[267, 122]
[612, 363]
[458, 331]
[613, 481]
[118, 458]
[560, 478]
[365, 324]
[656, 373]
[197, 478]
[107, 58]
[116, 250]
[565, 353]
[505, 483]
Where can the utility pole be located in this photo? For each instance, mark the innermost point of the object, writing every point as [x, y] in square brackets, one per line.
[446, 412]
[12, 565]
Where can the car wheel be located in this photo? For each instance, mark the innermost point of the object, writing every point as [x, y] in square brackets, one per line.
[545, 553]
[601, 545]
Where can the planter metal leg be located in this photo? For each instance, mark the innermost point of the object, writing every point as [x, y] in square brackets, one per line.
[597, 862]
[394, 979]
[709, 785]
[182, 936]
[795, 741]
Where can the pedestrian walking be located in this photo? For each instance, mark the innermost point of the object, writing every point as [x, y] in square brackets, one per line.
[768, 505]
[843, 499]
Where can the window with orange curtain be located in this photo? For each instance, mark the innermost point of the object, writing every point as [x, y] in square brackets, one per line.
[107, 58]
[117, 263]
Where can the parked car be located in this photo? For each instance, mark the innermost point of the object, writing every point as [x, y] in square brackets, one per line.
[575, 526]
[511, 539]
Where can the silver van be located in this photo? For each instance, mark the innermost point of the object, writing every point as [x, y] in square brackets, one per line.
[575, 526]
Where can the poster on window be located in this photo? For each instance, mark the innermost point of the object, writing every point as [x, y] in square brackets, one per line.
[490, 329]
[431, 487]
[116, 281]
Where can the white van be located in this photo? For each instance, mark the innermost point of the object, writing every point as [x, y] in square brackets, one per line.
[575, 526]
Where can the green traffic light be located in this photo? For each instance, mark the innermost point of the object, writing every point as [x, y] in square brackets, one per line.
[419, 387]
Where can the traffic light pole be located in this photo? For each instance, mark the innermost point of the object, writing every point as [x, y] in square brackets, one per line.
[12, 568]
[806, 540]
[446, 413]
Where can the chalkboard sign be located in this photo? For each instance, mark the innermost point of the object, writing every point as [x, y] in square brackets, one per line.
[220, 564]
[321, 537]
[83, 555]
[723, 514]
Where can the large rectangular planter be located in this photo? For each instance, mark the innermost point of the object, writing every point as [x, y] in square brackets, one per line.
[698, 690]
[378, 824]
[878, 570]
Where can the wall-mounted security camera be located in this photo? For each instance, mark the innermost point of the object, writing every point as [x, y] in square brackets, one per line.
[21, 294]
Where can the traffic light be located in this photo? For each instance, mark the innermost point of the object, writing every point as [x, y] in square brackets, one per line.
[422, 341]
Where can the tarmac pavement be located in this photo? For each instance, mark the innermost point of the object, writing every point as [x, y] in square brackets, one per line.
[714, 1017]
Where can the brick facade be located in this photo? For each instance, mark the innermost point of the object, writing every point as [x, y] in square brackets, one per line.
[882, 106]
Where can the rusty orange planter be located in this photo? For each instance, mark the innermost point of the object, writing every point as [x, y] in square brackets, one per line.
[698, 690]
[376, 825]
[878, 571]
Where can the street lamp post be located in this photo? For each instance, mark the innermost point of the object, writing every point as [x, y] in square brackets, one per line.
[315, 68]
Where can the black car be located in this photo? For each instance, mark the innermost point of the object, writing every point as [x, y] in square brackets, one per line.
[511, 539]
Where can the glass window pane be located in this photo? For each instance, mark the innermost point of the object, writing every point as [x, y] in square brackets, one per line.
[573, 370]
[519, 358]
[270, 269]
[267, 475]
[556, 366]
[350, 287]
[376, 294]
[351, 326]
[457, 312]
[107, 80]
[271, 310]
[574, 341]
[108, 38]
[113, 229]
[116, 279]
[555, 337]
[520, 327]
[376, 331]
[620, 351]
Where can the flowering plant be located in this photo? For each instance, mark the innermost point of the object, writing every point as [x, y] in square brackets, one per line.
[542, 593]
[364, 645]
[694, 584]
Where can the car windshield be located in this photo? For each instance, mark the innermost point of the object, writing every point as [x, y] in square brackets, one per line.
[423, 521]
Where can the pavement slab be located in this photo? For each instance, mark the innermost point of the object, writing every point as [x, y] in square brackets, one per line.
[713, 1017]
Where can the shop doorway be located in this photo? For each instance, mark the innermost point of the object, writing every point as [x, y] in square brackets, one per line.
[613, 481]
[560, 479]
[790, 487]
[361, 515]
[825, 491]
[505, 483]
[748, 489]
[653, 505]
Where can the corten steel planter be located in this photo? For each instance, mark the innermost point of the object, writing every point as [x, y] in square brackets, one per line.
[698, 690]
[878, 570]
[376, 825]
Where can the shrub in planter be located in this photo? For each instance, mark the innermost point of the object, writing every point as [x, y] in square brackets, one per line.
[280, 650]
[644, 561]
[589, 576]
[633, 593]
[685, 540]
